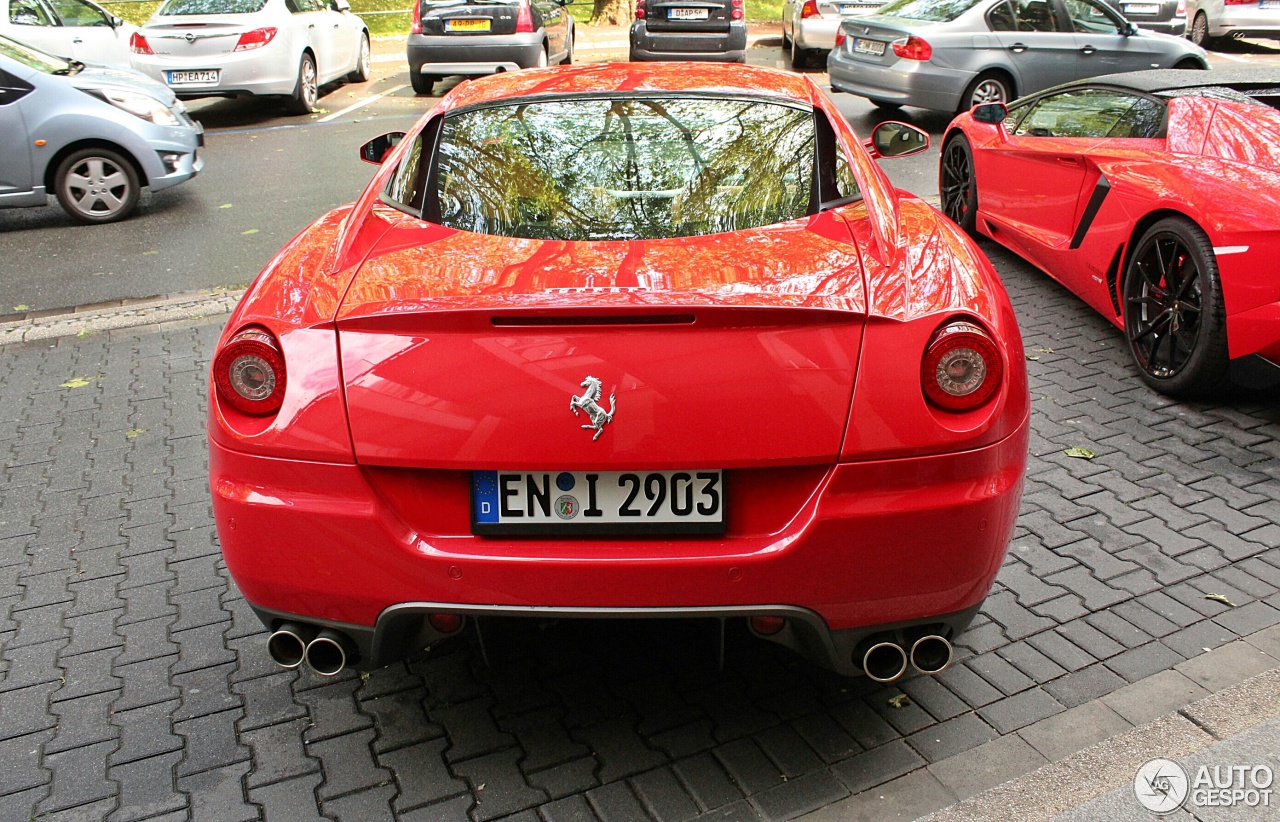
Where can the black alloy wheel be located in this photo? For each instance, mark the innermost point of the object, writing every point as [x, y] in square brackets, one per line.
[957, 187]
[1173, 311]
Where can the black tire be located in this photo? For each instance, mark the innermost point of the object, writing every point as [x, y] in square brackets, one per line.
[307, 90]
[422, 83]
[957, 185]
[786, 41]
[799, 56]
[1198, 31]
[987, 87]
[885, 105]
[360, 74]
[1174, 317]
[1189, 65]
[568, 57]
[97, 185]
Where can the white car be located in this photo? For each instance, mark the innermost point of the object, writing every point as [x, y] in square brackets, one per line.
[234, 48]
[72, 29]
[809, 26]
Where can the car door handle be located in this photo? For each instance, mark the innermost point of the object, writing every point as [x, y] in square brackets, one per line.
[1069, 161]
[1018, 48]
[77, 41]
[1088, 50]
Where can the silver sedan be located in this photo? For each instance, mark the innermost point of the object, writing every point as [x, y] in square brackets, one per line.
[810, 26]
[950, 55]
[233, 48]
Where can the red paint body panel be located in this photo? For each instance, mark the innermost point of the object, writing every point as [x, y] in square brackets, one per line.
[788, 356]
[1218, 166]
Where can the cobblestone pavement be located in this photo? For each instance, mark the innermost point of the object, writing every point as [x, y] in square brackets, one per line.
[134, 682]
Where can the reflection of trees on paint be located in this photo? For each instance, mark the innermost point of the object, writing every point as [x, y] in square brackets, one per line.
[621, 169]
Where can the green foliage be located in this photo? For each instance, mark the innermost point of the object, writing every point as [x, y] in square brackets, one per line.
[397, 25]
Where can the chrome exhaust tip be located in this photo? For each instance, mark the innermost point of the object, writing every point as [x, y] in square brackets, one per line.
[931, 654]
[885, 662]
[327, 654]
[287, 645]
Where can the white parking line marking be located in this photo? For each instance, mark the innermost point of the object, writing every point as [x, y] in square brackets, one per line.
[1235, 57]
[366, 101]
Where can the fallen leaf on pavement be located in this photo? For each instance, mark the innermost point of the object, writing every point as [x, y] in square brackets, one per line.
[899, 701]
[75, 382]
[1080, 453]
[1220, 598]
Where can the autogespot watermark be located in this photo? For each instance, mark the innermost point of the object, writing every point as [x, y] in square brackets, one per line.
[1163, 786]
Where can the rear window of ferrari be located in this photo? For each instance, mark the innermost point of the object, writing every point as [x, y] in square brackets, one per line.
[624, 168]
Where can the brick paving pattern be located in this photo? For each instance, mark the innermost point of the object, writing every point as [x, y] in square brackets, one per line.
[134, 683]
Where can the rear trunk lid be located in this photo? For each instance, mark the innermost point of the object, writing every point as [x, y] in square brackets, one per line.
[469, 351]
[194, 36]
[870, 39]
[687, 15]
[469, 17]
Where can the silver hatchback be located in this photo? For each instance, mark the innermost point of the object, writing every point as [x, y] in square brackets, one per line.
[949, 55]
[92, 136]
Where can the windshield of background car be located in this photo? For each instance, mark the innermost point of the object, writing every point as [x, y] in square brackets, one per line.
[934, 11]
[624, 169]
[29, 57]
[176, 7]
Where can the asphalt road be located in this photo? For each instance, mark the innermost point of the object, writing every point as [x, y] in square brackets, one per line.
[267, 176]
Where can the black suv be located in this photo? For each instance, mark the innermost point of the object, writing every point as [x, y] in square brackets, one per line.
[689, 30]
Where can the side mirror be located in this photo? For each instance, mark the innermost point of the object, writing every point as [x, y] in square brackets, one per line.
[990, 113]
[115, 22]
[894, 139]
[377, 149]
[1129, 30]
[341, 5]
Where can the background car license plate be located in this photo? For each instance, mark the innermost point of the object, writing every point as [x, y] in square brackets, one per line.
[201, 77]
[597, 502]
[467, 25]
[873, 47]
[1141, 8]
[686, 14]
[1269, 4]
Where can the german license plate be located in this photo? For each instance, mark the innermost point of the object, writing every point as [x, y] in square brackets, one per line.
[1141, 8]
[872, 47]
[857, 9]
[597, 502]
[1269, 4]
[467, 25]
[686, 14]
[191, 78]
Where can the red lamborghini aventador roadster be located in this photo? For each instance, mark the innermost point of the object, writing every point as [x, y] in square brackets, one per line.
[627, 340]
[1155, 197]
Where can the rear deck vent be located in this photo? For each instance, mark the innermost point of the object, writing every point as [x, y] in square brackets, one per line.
[591, 319]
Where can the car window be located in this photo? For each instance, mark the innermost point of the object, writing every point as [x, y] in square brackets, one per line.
[172, 8]
[407, 186]
[1000, 17]
[644, 167]
[31, 13]
[79, 13]
[38, 60]
[1034, 15]
[1092, 18]
[1093, 113]
[938, 11]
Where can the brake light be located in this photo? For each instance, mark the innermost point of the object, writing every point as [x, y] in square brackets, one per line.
[840, 38]
[255, 39]
[810, 9]
[736, 14]
[249, 372]
[1181, 11]
[640, 12]
[524, 18]
[1239, 2]
[139, 45]
[415, 22]
[913, 48]
[961, 369]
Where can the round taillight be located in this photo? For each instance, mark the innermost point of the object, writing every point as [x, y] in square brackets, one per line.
[445, 623]
[249, 372]
[962, 368]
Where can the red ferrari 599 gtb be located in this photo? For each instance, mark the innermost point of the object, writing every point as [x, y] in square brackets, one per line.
[623, 340]
[1155, 197]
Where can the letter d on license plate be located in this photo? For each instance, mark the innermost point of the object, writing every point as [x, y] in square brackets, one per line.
[583, 503]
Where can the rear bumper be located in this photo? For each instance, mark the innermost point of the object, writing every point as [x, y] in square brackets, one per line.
[817, 32]
[446, 55]
[906, 82]
[861, 546]
[720, 47]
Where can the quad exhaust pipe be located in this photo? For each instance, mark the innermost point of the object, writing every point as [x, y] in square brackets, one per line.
[325, 651]
[886, 660]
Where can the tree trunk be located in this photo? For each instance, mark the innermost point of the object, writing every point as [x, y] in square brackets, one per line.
[612, 12]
